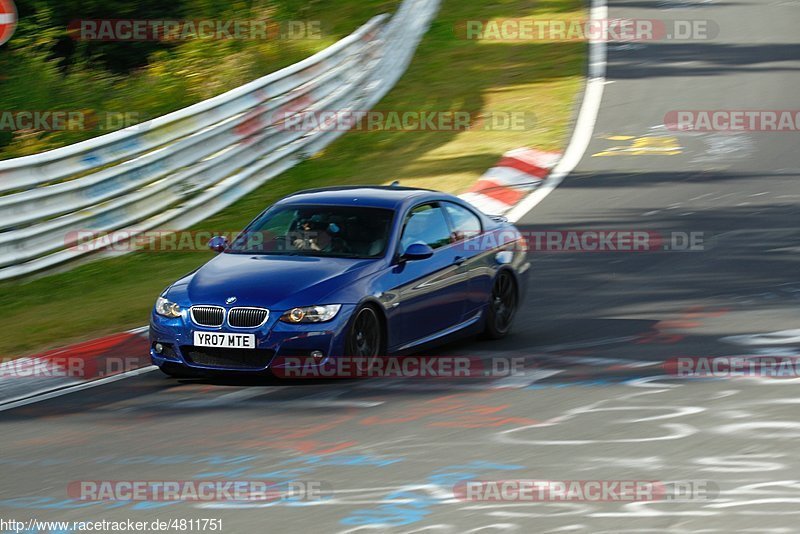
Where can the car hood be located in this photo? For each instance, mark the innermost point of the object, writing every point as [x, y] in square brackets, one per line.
[277, 282]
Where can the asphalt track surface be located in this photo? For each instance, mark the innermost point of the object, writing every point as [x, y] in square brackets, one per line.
[594, 402]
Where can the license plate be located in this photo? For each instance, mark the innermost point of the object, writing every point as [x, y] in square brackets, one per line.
[224, 340]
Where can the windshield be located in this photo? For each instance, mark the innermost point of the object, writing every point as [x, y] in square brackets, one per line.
[327, 231]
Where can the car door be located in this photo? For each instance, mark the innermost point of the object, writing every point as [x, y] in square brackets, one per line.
[427, 295]
[466, 228]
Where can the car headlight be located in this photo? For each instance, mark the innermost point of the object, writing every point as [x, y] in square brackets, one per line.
[311, 314]
[167, 308]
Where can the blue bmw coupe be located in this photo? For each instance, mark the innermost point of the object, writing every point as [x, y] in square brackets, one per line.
[342, 272]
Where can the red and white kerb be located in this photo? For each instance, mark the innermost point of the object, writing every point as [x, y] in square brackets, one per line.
[8, 20]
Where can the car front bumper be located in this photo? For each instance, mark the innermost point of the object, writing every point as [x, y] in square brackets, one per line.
[275, 340]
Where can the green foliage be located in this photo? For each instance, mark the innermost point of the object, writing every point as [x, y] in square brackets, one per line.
[43, 68]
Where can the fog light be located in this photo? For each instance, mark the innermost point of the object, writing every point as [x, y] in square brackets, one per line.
[317, 354]
[159, 348]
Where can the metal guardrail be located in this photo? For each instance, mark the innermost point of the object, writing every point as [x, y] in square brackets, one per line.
[178, 169]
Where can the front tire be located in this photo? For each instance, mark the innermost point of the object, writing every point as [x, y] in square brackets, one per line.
[502, 306]
[364, 338]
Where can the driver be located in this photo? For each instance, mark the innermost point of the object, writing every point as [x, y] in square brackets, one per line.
[315, 235]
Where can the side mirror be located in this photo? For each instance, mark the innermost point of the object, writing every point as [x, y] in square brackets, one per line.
[417, 251]
[218, 243]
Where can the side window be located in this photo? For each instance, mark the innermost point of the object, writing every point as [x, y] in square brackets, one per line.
[426, 224]
[465, 223]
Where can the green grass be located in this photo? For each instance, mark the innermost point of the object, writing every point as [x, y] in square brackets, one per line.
[544, 78]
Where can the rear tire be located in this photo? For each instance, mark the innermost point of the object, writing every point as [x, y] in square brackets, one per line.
[502, 306]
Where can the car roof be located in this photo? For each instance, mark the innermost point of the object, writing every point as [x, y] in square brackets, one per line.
[391, 197]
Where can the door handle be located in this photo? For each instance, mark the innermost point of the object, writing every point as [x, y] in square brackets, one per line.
[459, 260]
